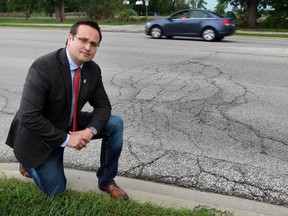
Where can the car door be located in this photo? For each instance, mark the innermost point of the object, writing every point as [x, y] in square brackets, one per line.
[177, 24]
[197, 20]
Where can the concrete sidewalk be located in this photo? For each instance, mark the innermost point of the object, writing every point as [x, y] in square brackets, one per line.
[161, 194]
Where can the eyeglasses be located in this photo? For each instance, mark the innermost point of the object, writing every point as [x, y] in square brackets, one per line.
[86, 41]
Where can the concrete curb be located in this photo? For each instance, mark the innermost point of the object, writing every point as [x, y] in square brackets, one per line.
[160, 194]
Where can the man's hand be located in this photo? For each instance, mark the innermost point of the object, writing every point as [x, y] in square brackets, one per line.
[79, 139]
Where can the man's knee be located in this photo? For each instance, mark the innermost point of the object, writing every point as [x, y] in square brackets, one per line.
[54, 184]
[55, 189]
[116, 122]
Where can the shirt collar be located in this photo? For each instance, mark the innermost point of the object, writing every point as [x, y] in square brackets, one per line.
[72, 64]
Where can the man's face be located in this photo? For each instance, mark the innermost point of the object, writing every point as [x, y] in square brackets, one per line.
[82, 47]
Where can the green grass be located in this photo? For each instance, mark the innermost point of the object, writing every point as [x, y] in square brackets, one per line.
[257, 29]
[45, 20]
[49, 20]
[281, 33]
[278, 35]
[36, 26]
[22, 198]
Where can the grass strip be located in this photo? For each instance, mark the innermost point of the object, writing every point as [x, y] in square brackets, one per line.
[278, 35]
[43, 26]
[22, 198]
[46, 20]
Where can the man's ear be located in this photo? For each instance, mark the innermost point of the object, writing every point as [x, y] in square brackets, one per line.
[70, 37]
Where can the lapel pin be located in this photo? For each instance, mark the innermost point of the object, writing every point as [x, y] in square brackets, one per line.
[84, 81]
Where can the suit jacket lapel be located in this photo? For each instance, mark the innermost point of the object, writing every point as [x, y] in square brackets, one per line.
[66, 75]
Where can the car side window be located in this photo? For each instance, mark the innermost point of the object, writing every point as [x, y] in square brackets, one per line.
[181, 15]
[199, 14]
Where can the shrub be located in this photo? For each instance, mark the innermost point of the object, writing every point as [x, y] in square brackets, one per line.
[125, 15]
[273, 21]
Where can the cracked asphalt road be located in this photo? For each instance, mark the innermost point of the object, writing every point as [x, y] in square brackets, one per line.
[210, 116]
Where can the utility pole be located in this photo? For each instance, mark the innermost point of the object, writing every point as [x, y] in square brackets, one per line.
[146, 5]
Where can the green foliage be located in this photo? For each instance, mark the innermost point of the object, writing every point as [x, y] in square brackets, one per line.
[15, 6]
[197, 4]
[72, 6]
[220, 8]
[161, 7]
[279, 5]
[125, 15]
[243, 4]
[241, 19]
[27, 6]
[99, 9]
[279, 16]
[280, 22]
[3, 6]
[48, 7]
[280, 12]
[114, 9]
[180, 4]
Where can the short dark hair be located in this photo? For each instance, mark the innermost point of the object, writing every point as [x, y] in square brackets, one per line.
[90, 23]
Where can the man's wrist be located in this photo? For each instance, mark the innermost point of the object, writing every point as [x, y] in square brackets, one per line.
[93, 130]
[66, 141]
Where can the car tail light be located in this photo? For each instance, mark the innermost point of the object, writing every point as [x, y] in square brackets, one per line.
[226, 22]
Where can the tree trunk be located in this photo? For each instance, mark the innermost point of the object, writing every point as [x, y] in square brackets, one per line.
[251, 12]
[59, 11]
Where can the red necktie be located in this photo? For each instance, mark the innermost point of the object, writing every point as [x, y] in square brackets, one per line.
[76, 83]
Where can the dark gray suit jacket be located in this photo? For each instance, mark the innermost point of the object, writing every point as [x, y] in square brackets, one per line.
[44, 114]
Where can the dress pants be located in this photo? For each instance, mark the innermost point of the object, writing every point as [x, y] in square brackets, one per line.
[49, 177]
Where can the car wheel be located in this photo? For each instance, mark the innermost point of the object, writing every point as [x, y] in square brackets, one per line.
[209, 34]
[156, 32]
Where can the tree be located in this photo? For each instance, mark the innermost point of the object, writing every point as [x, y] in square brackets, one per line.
[3, 6]
[72, 6]
[251, 14]
[51, 6]
[277, 14]
[99, 9]
[59, 10]
[15, 6]
[27, 6]
[250, 7]
[30, 6]
[198, 4]
[220, 7]
[162, 7]
[180, 4]
[280, 6]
